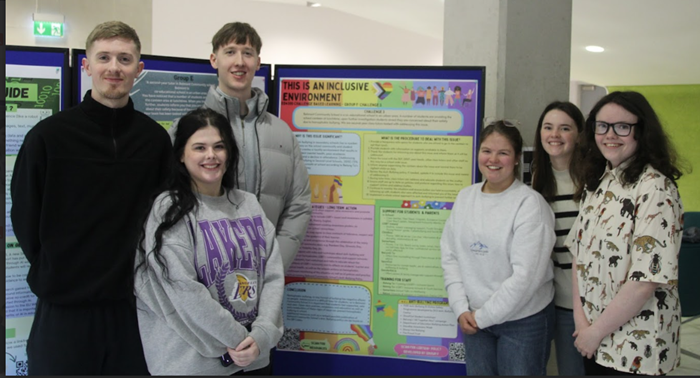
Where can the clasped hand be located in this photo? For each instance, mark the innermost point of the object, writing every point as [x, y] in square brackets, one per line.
[587, 341]
[467, 322]
[245, 353]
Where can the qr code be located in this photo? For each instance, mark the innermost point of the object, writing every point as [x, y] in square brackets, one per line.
[290, 340]
[22, 368]
[456, 351]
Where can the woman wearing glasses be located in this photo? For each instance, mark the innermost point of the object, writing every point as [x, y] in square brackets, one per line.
[626, 242]
[496, 248]
[556, 158]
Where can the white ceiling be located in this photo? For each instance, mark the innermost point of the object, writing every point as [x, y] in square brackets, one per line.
[647, 42]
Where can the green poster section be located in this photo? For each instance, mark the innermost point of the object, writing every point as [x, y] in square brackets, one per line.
[678, 107]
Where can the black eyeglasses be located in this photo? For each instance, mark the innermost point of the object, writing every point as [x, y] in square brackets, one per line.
[620, 128]
[488, 121]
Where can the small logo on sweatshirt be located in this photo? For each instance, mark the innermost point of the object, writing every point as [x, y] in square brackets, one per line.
[244, 290]
[479, 248]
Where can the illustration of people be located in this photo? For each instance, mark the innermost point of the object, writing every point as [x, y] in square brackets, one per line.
[458, 93]
[336, 188]
[448, 96]
[468, 97]
[331, 198]
[442, 95]
[406, 97]
[428, 96]
[420, 96]
[435, 95]
[316, 191]
[340, 194]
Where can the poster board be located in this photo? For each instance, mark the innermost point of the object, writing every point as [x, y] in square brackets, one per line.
[387, 150]
[168, 87]
[35, 88]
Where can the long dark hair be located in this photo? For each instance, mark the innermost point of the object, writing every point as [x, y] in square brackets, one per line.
[180, 184]
[542, 174]
[653, 145]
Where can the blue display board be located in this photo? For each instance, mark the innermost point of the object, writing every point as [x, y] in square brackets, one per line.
[387, 150]
[29, 56]
[36, 87]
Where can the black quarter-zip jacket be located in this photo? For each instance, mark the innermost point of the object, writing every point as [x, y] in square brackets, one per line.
[81, 182]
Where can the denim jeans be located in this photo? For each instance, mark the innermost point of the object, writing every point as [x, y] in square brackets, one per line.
[569, 360]
[518, 347]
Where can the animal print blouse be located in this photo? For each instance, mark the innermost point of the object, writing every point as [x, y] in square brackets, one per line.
[632, 233]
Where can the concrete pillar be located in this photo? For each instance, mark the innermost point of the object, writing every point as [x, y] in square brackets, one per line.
[525, 46]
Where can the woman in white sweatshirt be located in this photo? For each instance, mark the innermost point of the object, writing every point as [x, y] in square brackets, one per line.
[496, 249]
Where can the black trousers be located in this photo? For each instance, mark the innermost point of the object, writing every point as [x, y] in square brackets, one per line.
[92, 339]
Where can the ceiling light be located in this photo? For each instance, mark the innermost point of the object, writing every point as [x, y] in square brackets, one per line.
[312, 4]
[595, 49]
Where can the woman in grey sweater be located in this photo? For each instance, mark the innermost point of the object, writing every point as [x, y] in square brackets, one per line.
[209, 278]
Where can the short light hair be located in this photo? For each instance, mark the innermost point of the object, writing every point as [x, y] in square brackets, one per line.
[238, 32]
[113, 29]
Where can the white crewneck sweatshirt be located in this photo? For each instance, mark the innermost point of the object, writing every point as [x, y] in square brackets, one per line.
[496, 252]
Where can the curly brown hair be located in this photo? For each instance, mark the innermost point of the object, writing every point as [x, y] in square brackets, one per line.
[653, 145]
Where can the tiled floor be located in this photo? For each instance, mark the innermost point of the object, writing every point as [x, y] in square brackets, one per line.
[690, 347]
[690, 350]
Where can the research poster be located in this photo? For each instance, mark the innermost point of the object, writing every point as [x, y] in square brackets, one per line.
[34, 90]
[168, 87]
[387, 150]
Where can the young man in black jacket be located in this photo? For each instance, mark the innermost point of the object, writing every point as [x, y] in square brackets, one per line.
[81, 180]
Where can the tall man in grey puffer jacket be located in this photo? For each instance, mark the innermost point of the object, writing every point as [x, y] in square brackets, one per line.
[271, 165]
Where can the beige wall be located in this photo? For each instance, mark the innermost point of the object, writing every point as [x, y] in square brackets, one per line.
[291, 34]
[81, 16]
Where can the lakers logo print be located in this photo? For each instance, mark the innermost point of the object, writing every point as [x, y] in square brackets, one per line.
[244, 290]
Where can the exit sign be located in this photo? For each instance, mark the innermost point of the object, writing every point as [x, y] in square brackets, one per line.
[48, 29]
